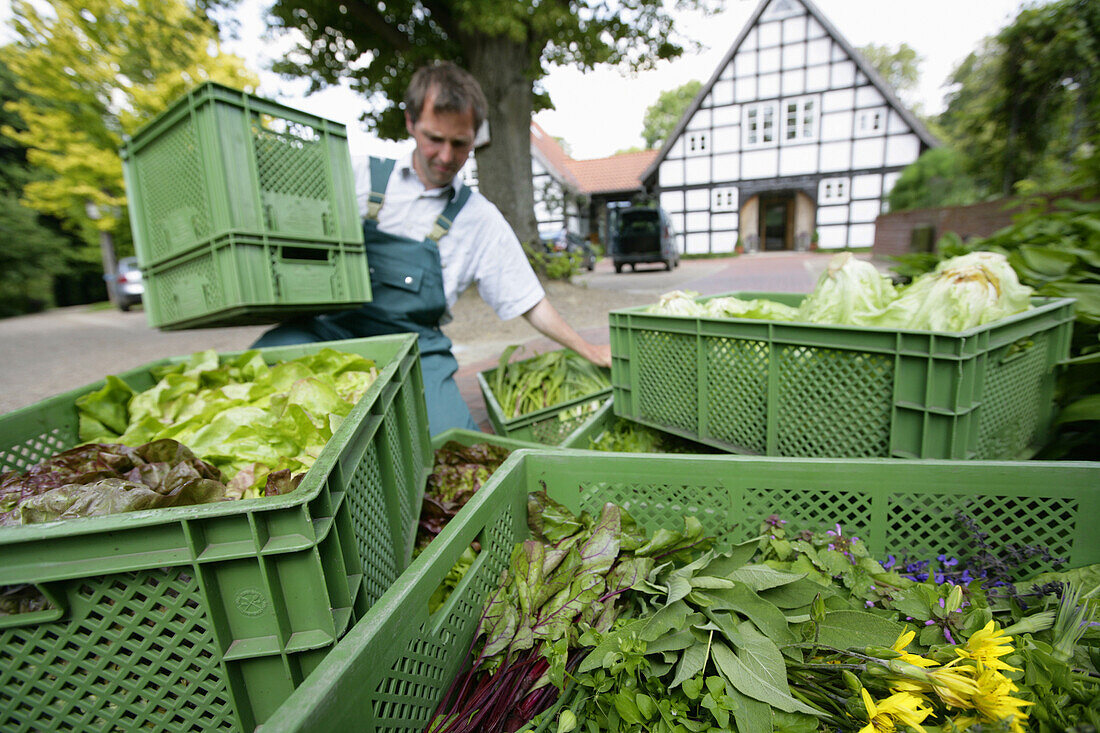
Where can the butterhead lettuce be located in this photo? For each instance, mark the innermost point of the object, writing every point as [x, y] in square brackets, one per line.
[241, 415]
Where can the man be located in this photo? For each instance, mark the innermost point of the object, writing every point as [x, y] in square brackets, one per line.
[428, 237]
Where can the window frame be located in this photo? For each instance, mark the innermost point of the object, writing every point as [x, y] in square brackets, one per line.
[760, 110]
[806, 119]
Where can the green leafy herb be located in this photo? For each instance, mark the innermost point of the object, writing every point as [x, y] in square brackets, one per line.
[545, 380]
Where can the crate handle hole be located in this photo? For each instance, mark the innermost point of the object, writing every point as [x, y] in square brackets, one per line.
[41, 605]
[309, 254]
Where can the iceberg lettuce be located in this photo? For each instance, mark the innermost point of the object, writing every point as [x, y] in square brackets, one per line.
[850, 292]
[961, 293]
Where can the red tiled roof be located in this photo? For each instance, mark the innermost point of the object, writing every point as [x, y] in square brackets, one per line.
[553, 152]
[622, 172]
[601, 175]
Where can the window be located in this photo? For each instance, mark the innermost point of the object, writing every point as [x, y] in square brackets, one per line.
[724, 199]
[697, 142]
[869, 121]
[759, 124]
[800, 119]
[833, 191]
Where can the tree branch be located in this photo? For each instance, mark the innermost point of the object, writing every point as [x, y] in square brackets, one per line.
[367, 14]
[443, 17]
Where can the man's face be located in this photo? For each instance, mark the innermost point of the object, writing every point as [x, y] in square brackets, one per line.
[443, 142]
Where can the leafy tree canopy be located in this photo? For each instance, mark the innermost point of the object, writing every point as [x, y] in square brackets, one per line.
[937, 178]
[92, 71]
[508, 45]
[662, 116]
[899, 67]
[1026, 105]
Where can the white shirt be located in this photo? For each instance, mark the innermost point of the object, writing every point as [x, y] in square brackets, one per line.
[479, 248]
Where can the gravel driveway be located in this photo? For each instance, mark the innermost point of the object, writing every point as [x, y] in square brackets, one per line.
[48, 353]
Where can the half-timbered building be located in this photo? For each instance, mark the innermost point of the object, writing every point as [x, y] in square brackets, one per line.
[793, 143]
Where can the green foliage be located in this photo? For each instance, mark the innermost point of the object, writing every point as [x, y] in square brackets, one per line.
[1026, 104]
[30, 257]
[554, 265]
[936, 178]
[662, 116]
[34, 251]
[900, 67]
[90, 72]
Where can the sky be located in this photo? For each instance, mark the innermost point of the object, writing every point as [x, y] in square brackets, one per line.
[600, 112]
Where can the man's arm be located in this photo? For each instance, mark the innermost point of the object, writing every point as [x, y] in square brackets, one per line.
[547, 321]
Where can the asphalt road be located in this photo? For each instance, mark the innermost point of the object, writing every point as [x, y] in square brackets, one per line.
[48, 353]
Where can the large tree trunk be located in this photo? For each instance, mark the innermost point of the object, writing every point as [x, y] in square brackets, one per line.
[504, 166]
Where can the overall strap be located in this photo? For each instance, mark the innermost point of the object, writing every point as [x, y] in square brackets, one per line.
[446, 219]
[380, 169]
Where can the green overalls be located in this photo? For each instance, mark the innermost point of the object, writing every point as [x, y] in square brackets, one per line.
[406, 279]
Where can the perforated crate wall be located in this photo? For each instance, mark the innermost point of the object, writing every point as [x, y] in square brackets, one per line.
[241, 280]
[389, 673]
[219, 161]
[206, 618]
[791, 389]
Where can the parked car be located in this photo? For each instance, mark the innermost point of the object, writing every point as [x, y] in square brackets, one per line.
[127, 283]
[562, 240]
[643, 235]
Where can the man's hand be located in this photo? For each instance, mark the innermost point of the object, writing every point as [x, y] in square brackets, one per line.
[599, 354]
[547, 321]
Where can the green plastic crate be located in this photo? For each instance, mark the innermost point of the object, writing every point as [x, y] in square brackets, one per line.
[470, 437]
[205, 618]
[548, 426]
[796, 389]
[240, 280]
[391, 670]
[219, 161]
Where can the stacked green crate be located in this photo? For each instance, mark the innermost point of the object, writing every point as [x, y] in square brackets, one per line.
[205, 618]
[243, 211]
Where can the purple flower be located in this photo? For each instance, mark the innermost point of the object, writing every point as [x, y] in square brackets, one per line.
[837, 533]
[947, 635]
[946, 561]
[890, 561]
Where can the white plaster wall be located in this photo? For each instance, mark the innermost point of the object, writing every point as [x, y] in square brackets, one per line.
[671, 173]
[797, 160]
[760, 163]
[832, 237]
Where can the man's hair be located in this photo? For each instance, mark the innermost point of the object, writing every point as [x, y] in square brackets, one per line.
[455, 91]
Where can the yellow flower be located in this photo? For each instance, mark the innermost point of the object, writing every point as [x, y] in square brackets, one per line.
[986, 647]
[995, 702]
[905, 640]
[954, 685]
[900, 707]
